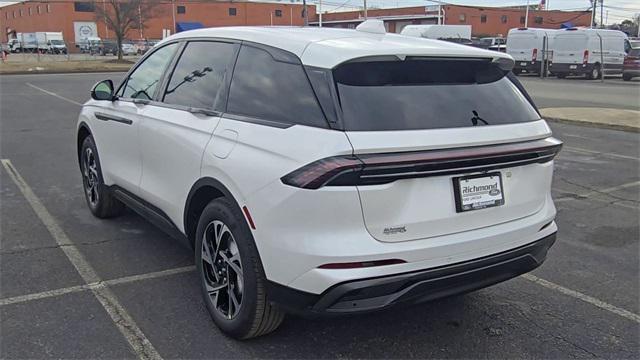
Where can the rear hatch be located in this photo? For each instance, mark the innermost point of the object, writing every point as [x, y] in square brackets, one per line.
[521, 46]
[448, 145]
[569, 48]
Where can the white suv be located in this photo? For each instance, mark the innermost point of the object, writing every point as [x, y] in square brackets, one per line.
[325, 171]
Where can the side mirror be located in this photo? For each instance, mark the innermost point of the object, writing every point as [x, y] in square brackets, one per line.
[103, 91]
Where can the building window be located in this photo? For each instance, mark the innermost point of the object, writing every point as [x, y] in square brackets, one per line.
[83, 6]
[483, 18]
[278, 13]
[462, 17]
[233, 11]
[14, 14]
[6, 15]
[30, 12]
[503, 19]
[38, 9]
[48, 8]
[20, 12]
[538, 20]
[182, 9]
[522, 20]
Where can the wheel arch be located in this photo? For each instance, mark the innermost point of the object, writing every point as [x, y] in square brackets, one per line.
[82, 133]
[202, 192]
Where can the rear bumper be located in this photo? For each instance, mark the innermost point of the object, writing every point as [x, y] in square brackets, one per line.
[632, 72]
[580, 69]
[528, 66]
[414, 287]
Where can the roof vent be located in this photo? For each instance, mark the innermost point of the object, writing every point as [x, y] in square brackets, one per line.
[373, 26]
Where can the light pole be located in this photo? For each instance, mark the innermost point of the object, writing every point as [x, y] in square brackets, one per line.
[365, 10]
[320, 14]
[526, 15]
[304, 11]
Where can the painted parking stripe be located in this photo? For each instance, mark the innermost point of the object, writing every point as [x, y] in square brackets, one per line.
[586, 298]
[86, 287]
[597, 192]
[54, 94]
[121, 318]
[587, 151]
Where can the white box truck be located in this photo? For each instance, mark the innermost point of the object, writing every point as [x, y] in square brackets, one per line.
[27, 42]
[526, 46]
[588, 52]
[452, 33]
[51, 42]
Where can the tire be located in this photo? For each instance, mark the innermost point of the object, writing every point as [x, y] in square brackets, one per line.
[626, 77]
[561, 76]
[238, 266]
[595, 73]
[99, 198]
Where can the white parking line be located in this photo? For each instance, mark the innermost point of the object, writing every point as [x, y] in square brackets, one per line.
[586, 298]
[603, 191]
[586, 151]
[80, 288]
[121, 318]
[54, 94]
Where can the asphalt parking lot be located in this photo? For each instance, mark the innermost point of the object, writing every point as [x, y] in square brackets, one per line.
[73, 286]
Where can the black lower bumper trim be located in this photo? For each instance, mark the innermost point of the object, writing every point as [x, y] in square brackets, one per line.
[414, 287]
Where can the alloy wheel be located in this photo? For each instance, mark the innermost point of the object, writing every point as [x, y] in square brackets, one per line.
[222, 269]
[90, 177]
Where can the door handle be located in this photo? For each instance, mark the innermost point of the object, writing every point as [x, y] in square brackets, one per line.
[106, 117]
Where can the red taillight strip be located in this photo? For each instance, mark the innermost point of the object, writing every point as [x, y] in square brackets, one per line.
[371, 169]
[363, 264]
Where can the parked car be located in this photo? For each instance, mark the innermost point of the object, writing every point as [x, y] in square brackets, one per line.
[494, 43]
[128, 49]
[577, 52]
[631, 67]
[526, 46]
[105, 47]
[325, 171]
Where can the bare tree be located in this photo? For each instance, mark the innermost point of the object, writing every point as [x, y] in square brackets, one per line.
[122, 16]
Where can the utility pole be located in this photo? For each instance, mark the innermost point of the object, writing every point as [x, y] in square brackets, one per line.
[593, 12]
[173, 14]
[304, 11]
[526, 15]
[365, 10]
[320, 14]
[601, 13]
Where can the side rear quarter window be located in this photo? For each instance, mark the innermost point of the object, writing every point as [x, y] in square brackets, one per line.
[272, 89]
[200, 74]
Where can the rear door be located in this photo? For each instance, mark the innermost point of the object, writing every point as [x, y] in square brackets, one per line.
[419, 126]
[569, 47]
[520, 46]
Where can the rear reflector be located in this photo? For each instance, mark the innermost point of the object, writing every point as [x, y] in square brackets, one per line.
[534, 56]
[585, 58]
[374, 169]
[248, 216]
[364, 264]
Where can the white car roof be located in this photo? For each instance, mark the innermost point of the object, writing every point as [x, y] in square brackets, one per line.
[327, 48]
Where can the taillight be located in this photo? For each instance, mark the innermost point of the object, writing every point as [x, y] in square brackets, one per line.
[534, 56]
[375, 169]
[585, 58]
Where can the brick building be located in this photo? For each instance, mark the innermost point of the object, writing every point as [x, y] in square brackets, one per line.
[485, 21]
[77, 18]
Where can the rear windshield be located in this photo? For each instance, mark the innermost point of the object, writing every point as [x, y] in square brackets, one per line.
[428, 94]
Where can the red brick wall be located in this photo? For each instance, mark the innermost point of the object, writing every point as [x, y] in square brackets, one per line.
[473, 16]
[62, 16]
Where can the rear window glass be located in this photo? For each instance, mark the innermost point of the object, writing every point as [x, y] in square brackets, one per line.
[428, 94]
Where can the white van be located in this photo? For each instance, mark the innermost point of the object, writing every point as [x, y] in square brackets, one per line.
[577, 52]
[452, 33]
[526, 46]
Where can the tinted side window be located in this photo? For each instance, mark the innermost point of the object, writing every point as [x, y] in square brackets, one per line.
[142, 83]
[272, 90]
[199, 75]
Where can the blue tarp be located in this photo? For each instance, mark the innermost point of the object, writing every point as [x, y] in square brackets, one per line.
[186, 25]
[566, 25]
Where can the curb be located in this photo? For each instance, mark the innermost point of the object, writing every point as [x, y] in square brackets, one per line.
[594, 124]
